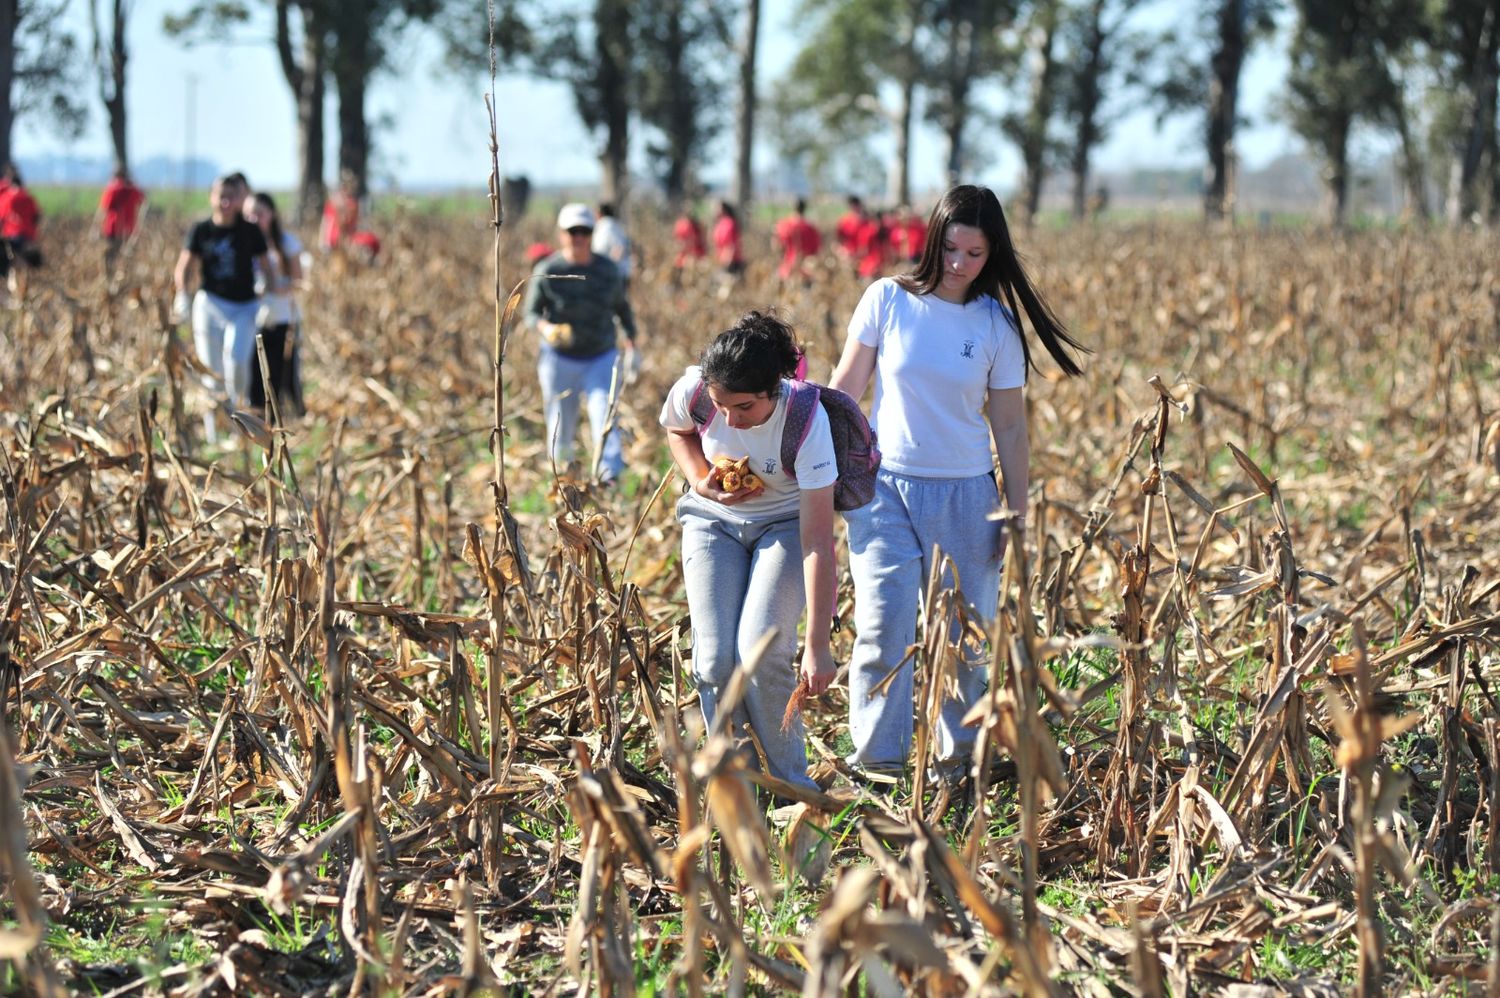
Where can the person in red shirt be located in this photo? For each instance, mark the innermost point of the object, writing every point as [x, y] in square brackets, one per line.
[119, 210]
[729, 248]
[913, 228]
[688, 233]
[799, 240]
[340, 231]
[847, 229]
[340, 214]
[871, 247]
[19, 219]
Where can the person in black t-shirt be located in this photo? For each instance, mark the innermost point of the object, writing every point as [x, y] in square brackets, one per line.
[225, 249]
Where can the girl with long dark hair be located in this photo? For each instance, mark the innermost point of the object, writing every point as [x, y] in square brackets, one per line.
[278, 319]
[945, 348]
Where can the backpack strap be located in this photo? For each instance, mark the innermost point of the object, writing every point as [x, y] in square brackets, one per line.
[701, 407]
[801, 403]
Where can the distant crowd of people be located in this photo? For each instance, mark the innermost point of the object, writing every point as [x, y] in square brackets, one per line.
[115, 220]
[867, 243]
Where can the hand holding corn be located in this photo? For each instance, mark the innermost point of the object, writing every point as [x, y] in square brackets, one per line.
[730, 481]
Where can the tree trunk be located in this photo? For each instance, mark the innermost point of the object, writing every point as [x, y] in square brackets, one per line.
[1039, 108]
[354, 131]
[1413, 169]
[306, 80]
[115, 105]
[111, 72]
[1463, 174]
[612, 45]
[1223, 100]
[1336, 172]
[961, 55]
[1492, 210]
[1087, 107]
[744, 130]
[898, 188]
[10, 17]
[682, 121]
[354, 60]
[898, 180]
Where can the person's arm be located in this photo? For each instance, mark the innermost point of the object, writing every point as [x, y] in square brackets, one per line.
[815, 522]
[263, 262]
[181, 274]
[534, 304]
[183, 271]
[855, 368]
[625, 315]
[294, 268]
[1006, 410]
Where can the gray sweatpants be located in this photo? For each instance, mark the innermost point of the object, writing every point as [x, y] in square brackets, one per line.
[744, 578]
[891, 544]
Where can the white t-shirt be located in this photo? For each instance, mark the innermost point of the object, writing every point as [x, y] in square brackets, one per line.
[276, 305]
[816, 468]
[611, 241]
[936, 363]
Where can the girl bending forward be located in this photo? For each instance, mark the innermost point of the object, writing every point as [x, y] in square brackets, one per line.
[753, 556]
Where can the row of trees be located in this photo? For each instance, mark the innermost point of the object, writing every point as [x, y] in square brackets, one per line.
[319, 44]
[1424, 71]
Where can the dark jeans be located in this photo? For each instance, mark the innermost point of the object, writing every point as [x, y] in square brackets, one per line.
[19, 249]
[286, 375]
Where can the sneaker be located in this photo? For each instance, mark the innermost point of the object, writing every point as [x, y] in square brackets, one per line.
[950, 772]
[881, 775]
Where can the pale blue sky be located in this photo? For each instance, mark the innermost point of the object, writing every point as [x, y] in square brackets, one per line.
[435, 131]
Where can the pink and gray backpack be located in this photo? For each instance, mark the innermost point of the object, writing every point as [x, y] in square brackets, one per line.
[854, 447]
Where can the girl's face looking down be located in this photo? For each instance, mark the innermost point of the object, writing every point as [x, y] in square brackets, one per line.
[742, 410]
[965, 252]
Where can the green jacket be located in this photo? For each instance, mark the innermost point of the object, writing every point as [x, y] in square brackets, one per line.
[590, 298]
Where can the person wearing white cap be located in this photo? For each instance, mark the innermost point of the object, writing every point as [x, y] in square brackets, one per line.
[577, 317]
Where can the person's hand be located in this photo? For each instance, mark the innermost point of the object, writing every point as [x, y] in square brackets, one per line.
[1003, 537]
[711, 487]
[818, 668]
[632, 364]
[182, 305]
[557, 334]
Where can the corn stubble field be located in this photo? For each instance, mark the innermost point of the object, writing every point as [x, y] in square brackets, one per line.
[326, 711]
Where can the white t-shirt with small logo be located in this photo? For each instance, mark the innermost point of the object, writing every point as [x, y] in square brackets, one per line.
[936, 363]
[816, 468]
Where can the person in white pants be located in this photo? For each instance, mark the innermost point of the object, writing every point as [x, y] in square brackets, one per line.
[226, 250]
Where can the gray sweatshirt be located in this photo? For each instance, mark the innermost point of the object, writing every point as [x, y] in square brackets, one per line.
[591, 305]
